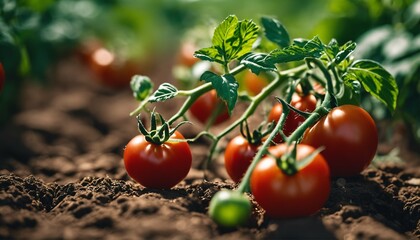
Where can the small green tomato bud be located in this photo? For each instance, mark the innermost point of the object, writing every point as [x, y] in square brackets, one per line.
[229, 208]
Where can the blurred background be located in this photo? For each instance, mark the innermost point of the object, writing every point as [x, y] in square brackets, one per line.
[119, 38]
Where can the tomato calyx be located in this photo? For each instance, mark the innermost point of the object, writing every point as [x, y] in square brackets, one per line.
[287, 105]
[157, 134]
[288, 163]
[255, 138]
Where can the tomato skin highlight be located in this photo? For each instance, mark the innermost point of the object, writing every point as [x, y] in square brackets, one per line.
[349, 136]
[283, 196]
[238, 156]
[157, 166]
[205, 105]
[293, 120]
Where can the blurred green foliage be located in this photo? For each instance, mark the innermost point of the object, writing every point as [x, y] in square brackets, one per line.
[35, 33]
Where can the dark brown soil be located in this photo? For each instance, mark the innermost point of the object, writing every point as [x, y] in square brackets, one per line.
[62, 177]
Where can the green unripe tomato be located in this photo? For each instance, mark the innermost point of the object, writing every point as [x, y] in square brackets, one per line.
[229, 208]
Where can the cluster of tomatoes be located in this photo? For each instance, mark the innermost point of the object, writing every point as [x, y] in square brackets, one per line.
[341, 143]
[347, 134]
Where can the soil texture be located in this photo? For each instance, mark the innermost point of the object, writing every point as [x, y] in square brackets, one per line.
[62, 177]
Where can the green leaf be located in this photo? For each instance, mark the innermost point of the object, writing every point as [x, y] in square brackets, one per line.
[258, 62]
[344, 52]
[231, 40]
[163, 93]
[275, 31]
[226, 87]
[375, 80]
[141, 86]
[225, 30]
[297, 51]
[332, 48]
[209, 54]
[245, 35]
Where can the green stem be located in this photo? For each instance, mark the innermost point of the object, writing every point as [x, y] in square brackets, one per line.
[321, 110]
[256, 100]
[244, 185]
[193, 95]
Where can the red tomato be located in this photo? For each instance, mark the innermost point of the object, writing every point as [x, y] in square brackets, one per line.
[205, 105]
[238, 156]
[349, 136]
[186, 54]
[284, 196]
[110, 69]
[254, 83]
[157, 166]
[2, 77]
[304, 103]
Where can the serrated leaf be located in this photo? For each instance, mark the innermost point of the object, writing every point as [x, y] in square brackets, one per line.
[344, 52]
[226, 87]
[163, 93]
[209, 54]
[275, 31]
[141, 86]
[332, 48]
[297, 51]
[375, 80]
[245, 36]
[231, 40]
[225, 30]
[258, 62]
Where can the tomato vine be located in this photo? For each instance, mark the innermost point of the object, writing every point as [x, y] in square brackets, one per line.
[296, 64]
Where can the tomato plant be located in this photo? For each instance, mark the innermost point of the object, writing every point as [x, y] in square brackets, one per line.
[203, 108]
[305, 103]
[290, 179]
[349, 136]
[238, 156]
[158, 165]
[297, 195]
[2, 77]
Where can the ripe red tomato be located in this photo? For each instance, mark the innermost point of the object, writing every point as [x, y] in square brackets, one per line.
[284, 196]
[349, 136]
[2, 77]
[254, 83]
[205, 105]
[304, 103]
[110, 69]
[157, 166]
[238, 156]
